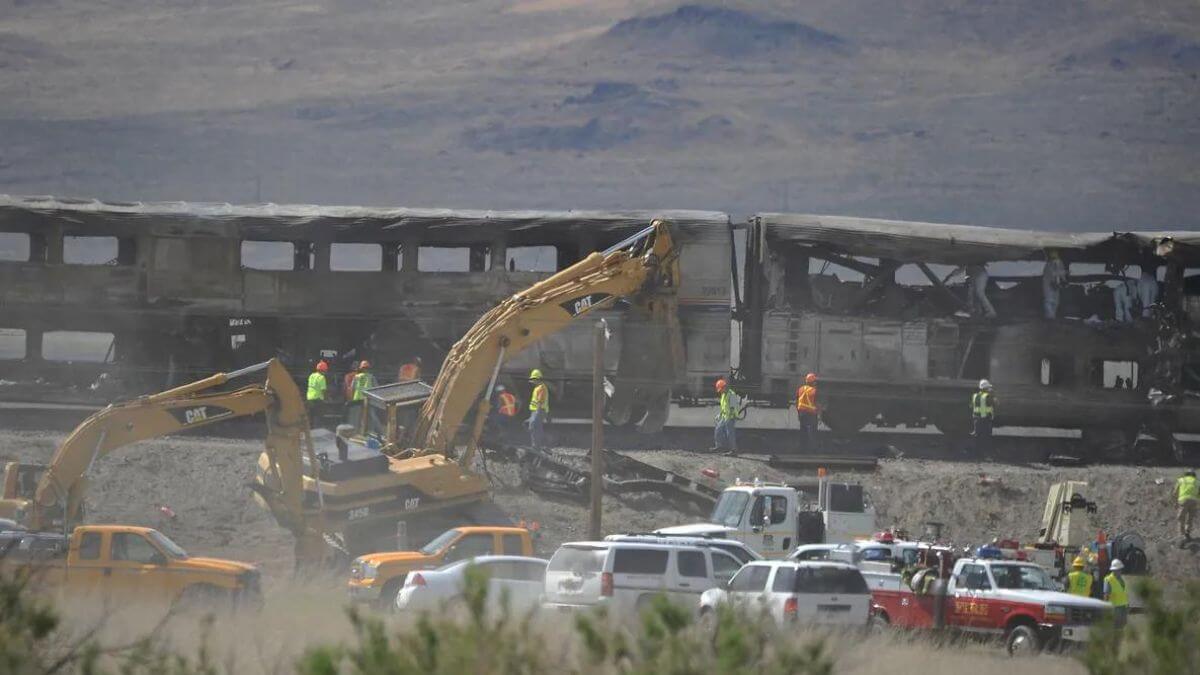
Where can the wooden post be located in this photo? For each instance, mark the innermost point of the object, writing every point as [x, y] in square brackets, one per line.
[594, 529]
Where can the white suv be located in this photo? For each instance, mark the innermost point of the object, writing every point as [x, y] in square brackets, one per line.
[626, 575]
[733, 547]
[814, 592]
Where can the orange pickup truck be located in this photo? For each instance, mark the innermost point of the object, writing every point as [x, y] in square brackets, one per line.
[377, 577]
[124, 562]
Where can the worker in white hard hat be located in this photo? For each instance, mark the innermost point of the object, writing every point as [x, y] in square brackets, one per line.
[1116, 592]
[983, 416]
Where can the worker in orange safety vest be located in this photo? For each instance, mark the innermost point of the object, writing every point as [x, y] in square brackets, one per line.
[807, 411]
[410, 371]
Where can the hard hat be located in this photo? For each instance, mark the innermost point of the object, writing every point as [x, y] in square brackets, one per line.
[810, 378]
[1078, 562]
[985, 385]
[1117, 565]
[499, 387]
[719, 384]
[322, 366]
[364, 364]
[535, 374]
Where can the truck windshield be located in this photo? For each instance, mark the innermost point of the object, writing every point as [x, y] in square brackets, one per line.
[440, 542]
[167, 546]
[1023, 577]
[729, 509]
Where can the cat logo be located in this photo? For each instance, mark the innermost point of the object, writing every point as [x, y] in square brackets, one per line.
[585, 303]
[200, 414]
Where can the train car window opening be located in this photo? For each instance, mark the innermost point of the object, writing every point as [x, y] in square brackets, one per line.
[72, 345]
[269, 256]
[356, 257]
[532, 259]
[12, 344]
[453, 259]
[1116, 374]
[14, 246]
[90, 250]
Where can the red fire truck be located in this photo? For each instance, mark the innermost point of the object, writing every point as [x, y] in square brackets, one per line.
[1015, 600]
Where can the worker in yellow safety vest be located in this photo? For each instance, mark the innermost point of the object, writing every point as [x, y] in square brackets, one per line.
[317, 388]
[410, 371]
[1079, 580]
[725, 429]
[539, 410]
[363, 380]
[983, 416]
[807, 411]
[1116, 592]
[1187, 494]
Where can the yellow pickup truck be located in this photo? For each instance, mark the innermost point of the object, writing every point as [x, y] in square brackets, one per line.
[377, 577]
[121, 562]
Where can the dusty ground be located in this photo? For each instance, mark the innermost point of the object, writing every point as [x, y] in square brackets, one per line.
[203, 481]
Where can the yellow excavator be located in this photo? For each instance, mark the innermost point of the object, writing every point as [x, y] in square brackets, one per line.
[51, 496]
[394, 481]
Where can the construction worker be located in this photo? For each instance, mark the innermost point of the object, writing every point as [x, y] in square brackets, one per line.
[503, 413]
[1079, 580]
[539, 410]
[410, 371]
[983, 415]
[807, 411]
[317, 388]
[725, 430]
[1187, 494]
[1115, 591]
[1054, 277]
[363, 380]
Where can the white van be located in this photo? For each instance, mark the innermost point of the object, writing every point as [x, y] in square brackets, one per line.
[811, 592]
[626, 575]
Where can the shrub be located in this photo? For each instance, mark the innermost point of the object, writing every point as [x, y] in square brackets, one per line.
[1166, 642]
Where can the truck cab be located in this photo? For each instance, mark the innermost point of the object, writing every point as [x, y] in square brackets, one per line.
[377, 577]
[126, 563]
[1013, 600]
[773, 519]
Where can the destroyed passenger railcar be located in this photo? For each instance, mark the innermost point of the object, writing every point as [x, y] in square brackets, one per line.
[107, 300]
[873, 306]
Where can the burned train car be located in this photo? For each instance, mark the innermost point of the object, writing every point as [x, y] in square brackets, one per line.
[108, 300]
[882, 311]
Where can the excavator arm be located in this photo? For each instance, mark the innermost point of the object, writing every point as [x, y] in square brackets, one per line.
[190, 406]
[643, 269]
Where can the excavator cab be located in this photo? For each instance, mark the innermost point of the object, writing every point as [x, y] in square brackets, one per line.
[391, 410]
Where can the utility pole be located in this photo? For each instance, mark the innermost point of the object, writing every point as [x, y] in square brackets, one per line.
[594, 528]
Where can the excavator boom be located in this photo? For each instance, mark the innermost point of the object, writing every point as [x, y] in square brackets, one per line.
[643, 269]
[63, 483]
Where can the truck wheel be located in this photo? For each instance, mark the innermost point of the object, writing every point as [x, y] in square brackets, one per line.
[1022, 640]
[387, 597]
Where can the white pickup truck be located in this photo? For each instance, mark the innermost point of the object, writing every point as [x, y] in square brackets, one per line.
[773, 519]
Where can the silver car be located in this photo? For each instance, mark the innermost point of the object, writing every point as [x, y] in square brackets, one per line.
[517, 578]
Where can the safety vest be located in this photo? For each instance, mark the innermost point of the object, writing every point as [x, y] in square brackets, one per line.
[981, 405]
[1079, 583]
[1116, 591]
[409, 372]
[316, 386]
[1187, 488]
[727, 411]
[540, 399]
[508, 404]
[362, 382]
[806, 399]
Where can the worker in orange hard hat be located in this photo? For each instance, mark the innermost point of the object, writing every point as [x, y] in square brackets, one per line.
[725, 429]
[318, 388]
[807, 411]
[410, 371]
